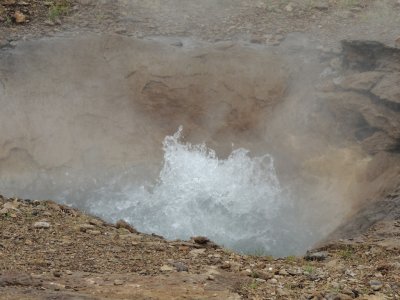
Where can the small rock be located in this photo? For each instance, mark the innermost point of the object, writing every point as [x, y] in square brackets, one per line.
[196, 252]
[19, 17]
[166, 268]
[283, 272]
[180, 267]
[123, 231]
[318, 256]
[125, 225]
[376, 285]
[177, 44]
[118, 282]
[94, 232]
[4, 211]
[289, 7]
[86, 227]
[201, 240]
[57, 273]
[273, 281]
[321, 5]
[130, 236]
[41, 225]
[265, 275]
[96, 222]
[211, 277]
[120, 30]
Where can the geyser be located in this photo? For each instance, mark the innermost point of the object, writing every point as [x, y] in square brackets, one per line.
[83, 122]
[236, 201]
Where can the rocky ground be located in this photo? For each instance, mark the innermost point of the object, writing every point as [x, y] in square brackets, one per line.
[261, 21]
[50, 251]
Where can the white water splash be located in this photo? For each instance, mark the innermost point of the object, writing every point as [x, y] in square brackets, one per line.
[233, 201]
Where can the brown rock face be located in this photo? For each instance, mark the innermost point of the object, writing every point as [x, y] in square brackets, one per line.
[366, 107]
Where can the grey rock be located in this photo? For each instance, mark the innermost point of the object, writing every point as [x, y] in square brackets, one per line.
[180, 267]
[376, 285]
[41, 225]
[318, 256]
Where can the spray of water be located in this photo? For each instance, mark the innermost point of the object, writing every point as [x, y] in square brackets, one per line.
[234, 201]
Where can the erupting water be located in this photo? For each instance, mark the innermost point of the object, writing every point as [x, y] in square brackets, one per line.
[236, 201]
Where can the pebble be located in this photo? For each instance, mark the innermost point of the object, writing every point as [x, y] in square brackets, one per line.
[376, 285]
[86, 227]
[118, 282]
[19, 17]
[57, 273]
[125, 225]
[273, 281]
[202, 240]
[166, 268]
[180, 267]
[96, 222]
[93, 232]
[196, 252]
[41, 225]
[318, 256]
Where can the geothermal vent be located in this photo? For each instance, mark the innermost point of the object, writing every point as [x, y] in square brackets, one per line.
[227, 140]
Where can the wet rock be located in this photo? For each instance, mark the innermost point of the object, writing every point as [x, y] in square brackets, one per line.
[41, 225]
[125, 225]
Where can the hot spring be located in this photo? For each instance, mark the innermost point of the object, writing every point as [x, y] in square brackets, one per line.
[225, 140]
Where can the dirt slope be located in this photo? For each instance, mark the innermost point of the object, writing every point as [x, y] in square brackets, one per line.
[49, 251]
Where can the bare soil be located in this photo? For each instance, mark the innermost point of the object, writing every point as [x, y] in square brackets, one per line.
[50, 251]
